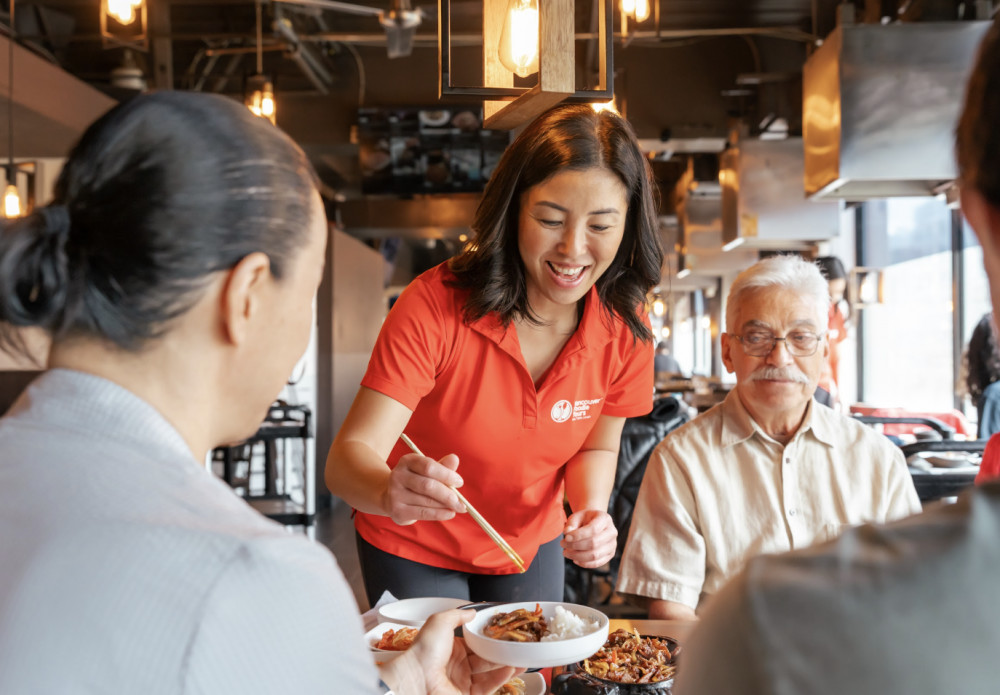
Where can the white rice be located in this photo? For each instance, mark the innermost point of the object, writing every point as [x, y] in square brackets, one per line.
[567, 624]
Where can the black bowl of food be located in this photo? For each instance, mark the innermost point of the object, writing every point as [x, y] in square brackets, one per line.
[627, 663]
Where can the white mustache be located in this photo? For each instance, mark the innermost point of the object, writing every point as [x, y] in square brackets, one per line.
[769, 373]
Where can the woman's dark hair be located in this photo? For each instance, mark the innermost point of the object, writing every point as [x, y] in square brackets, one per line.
[572, 137]
[978, 135]
[982, 358]
[158, 194]
[831, 267]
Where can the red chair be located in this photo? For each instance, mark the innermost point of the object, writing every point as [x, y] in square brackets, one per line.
[953, 418]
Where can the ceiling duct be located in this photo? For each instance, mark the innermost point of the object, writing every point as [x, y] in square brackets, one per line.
[763, 205]
[880, 103]
[700, 218]
[425, 217]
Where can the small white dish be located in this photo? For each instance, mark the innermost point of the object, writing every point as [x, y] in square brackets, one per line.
[415, 611]
[373, 636]
[536, 654]
[534, 684]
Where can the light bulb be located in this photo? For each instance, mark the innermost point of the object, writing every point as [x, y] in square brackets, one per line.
[261, 101]
[123, 10]
[659, 308]
[641, 10]
[518, 48]
[267, 106]
[11, 202]
[665, 332]
[628, 7]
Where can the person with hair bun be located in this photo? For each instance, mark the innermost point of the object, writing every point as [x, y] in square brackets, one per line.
[174, 271]
[512, 367]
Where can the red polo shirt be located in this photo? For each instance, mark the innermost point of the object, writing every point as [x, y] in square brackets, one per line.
[472, 395]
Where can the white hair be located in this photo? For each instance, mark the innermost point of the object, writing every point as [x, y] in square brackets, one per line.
[785, 272]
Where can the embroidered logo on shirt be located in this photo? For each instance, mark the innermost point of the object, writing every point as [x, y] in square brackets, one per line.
[578, 410]
[561, 411]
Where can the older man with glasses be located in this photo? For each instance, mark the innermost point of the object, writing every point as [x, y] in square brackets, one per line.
[769, 469]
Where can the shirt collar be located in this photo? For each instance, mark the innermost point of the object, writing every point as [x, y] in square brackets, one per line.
[738, 425]
[596, 327]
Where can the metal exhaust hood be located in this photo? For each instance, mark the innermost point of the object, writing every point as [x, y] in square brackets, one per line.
[880, 104]
[763, 205]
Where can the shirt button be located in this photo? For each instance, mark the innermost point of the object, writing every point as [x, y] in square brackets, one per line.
[788, 460]
[791, 512]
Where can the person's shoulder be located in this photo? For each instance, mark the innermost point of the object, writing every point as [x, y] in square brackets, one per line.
[702, 431]
[434, 289]
[844, 427]
[992, 392]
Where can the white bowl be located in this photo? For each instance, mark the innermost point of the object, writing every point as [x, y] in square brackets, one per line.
[415, 611]
[536, 654]
[373, 636]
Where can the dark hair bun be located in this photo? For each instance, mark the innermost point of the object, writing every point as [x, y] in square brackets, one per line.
[33, 267]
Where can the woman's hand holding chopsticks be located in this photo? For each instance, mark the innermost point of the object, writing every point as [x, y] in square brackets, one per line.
[419, 489]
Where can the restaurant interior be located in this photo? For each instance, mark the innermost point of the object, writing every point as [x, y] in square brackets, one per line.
[816, 127]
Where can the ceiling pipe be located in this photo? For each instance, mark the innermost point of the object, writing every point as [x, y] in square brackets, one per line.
[310, 66]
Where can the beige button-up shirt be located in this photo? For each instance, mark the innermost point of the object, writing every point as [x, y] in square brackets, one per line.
[719, 491]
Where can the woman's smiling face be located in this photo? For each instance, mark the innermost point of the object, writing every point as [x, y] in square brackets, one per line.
[569, 231]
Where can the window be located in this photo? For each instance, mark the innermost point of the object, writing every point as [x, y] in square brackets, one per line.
[908, 346]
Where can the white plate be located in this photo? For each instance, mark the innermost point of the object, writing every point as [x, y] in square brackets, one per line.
[950, 459]
[416, 611]
[372, 637]
[535, 654]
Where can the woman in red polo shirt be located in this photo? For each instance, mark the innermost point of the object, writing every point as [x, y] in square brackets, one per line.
[513, 367]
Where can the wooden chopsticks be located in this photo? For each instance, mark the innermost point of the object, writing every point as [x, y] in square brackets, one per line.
[483, 523]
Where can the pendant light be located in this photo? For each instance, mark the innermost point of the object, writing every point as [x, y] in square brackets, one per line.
[11, 198]
[518, 47]
[637, 9]
[124, 11]
[259, 90]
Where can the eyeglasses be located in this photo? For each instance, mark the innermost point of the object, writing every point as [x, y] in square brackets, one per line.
[760, 343]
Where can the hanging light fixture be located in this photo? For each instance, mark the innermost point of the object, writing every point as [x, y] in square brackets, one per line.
[123, 23]
[518, 49]
[124, 11]
[259, 91]
[11, 198]
[521, 38]
[636, 9]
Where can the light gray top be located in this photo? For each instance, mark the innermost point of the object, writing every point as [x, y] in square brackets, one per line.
[719, 491]
[126, 567]
[905, 609]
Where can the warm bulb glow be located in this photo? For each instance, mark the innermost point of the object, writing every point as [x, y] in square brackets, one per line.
[267, 106]
[665, 332]
[123, 10]
[11, 202]
[659, 308]
[628, 7]
[599, 106]
[519, 38]
[261, 102]
[641, 10]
